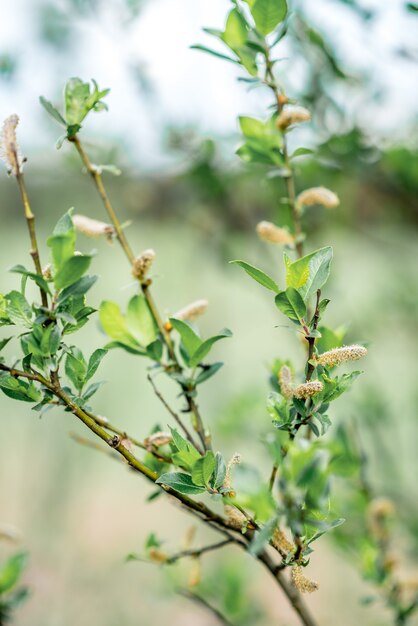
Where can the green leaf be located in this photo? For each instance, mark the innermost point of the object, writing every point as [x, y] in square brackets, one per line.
[18, 309]
[205, 347]
[76, 368]
[258, 275]
[262, 537]
[12, 571]
[19, 389]
[252, 127]
[309, 273]
[191, 341]
[208, 372]
[186, 455]
[53, 112]
[335, 387]
[62, 241]
[203, 469]
[4, 342]
[301, 152]
[155, 350]
[80, 99]
[71, 271]
[180, 482]
[219, 471]
[114, 324]
[94, 362]
[213, 52]
[140, 322]
[268, 14]
[235, 34]
[291, 303]
[79, 288]
[37, 278]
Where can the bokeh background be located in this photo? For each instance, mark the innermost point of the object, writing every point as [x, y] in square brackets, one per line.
[172, 130]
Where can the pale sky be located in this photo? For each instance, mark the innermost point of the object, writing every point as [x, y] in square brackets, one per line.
[190, 87]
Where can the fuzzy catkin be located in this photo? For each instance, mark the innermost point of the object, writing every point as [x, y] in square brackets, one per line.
[281, 542]
[9, 149]
[142, 263]
[341, 355]
[274, 234]
[235, 518]
[157, 439]
[191, 311]
[285, 381]
[307, 390]
[92, 228]
[318, 195]
[303, 584]
[293, 115]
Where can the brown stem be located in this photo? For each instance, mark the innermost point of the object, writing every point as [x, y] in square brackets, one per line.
[194, 553]
[175, 416]
[30, 219]
[198, 599]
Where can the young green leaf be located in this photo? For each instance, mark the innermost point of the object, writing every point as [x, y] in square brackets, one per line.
[309, 273]
[258, 275]
[268, 14]
[203, 469]
[140, 322]
[18, 309]
[94, 362]
[76, 368]
[205, 347]
[12, 571]
[114, 325]
[19, 389]
[219, 471]
[53, 112]
[180, 482]
[189, 338]
[71, 271]
[291, 303]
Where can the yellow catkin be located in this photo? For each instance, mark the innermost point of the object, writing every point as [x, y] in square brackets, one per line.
[292, 115]
[142, 264]
[195, 574]
[157, 439]
[9, 149]
[92, 228]
[47, 271]
[281, 542]
[318, 195]
[307, 390]
[274, 234]
[285, 381]
[235, 518]
[234, 460]
[157, 556]
[341, 355]
[189, 312]
[381, 510]
[302, 583]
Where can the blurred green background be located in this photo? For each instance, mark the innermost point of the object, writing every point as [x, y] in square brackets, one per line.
[78, 512]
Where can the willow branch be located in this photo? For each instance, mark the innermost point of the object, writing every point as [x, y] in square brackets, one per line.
[30, 220]
[199, 600]
[199, 509]
[197, 552]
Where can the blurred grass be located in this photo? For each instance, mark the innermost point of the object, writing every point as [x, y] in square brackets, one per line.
[80, 513]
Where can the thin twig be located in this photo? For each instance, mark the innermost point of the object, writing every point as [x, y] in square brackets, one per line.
[197, 552]
[199, 600]
[30, 219]
[173, 414]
